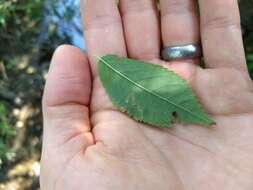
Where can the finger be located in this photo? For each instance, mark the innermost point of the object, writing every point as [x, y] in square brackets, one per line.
[103, 29]
[141, 26]
[66, 99]
[180, 23]
[221, 34]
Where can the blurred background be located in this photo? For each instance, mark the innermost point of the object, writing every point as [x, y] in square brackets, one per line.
[30, 30]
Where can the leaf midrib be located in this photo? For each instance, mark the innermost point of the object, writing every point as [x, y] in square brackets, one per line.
[151, 92]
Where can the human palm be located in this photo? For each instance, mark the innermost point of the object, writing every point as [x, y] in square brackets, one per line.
[88, 144]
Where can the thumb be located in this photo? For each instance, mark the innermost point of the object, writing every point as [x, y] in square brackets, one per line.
[66, 98]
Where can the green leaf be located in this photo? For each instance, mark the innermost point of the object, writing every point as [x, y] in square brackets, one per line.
[249, 57]
[250, 66]
[150, 93]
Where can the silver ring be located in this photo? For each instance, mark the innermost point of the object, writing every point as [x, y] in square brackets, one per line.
[189, 51]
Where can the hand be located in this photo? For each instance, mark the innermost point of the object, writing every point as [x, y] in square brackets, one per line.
[88, 144]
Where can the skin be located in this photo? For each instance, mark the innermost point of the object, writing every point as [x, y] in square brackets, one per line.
[88, 144]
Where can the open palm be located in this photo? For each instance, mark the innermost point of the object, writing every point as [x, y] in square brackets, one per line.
[88, 144]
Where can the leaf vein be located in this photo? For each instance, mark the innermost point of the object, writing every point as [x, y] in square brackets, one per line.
[151, 92]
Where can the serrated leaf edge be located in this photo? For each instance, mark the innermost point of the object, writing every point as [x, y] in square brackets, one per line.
[210, 121]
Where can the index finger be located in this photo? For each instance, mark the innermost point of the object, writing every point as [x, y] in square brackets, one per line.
[103, 29]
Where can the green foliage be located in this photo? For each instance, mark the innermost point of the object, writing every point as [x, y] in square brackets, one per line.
[246, 10]
[30, 30]
[150, 93]
[250, 61]
[5, 133]
[19, 20]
